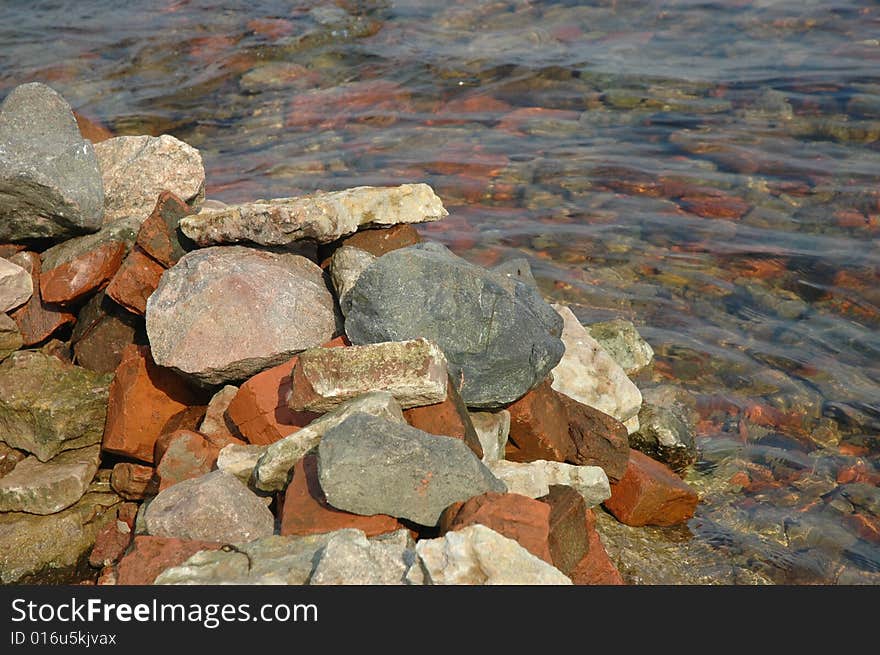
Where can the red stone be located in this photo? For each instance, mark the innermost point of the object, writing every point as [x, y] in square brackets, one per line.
[449, 418]
[259, 410]
[569, 540]
[159, 236]
[149, 556]
[305, 509]
[377, 102]
[91, 129]
[468, 160]
[596, 568]
[523, 519]
[135, 281]
[599, 439]
[183, 455]
[68, 282]
[378, 241]
[539, 427]
[37, 320]
[144, 398]
[112, 542]
[7, 250]
[650, 494]
[712, 203]
[134, 481]
[108, 576]
[103, 330]
[474, 107]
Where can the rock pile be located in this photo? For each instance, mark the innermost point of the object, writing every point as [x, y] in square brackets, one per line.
[225, 409]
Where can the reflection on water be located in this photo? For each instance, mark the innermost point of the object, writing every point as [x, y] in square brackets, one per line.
[707, 170]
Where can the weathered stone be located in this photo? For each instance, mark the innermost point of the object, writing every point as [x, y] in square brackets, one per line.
[214, 422]
[523, 519]
[499, 336]
[134, 481]
[37, 320]
[534, 479]
[211, 297]
[379, 241]
[589, 375]
[622, 341]
[150, 556]
[136, 169]
[48, 548]
[135, 281]
[10, 337]
[16, 285]
[274, 466]
[9, 458]
[50, 185]
[539, 427]
[213, 507]
[449, 418]
[49, 487]
[477, 555]
[516, 269]
[599, 439]
[492, 430]
[159, 235]
[667, 422]
[321, 216]
[650, 494]
[240, 460]
[370, 465]
[349, 558]
[185, 455]
[143, 401]
[47, 406]
[568, 540]
[112, 542]
[102, 332]
[596, 568]
[346, 267]
[414, 372]
[305, 509]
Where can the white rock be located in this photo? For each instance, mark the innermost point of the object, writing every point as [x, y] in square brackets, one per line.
[533, 479]
[492, 429]
[16, 285]
[349, 558]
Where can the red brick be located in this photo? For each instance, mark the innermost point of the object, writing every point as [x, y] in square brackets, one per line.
[599, 439]
[68, 282]
[449, 418]
[134, 481]
[183, 455]
[159, 236]
[135, 281]
[569, 540]
[112, 542]
[539, 428]
[596, 568]
[37, 320]
[149, 556]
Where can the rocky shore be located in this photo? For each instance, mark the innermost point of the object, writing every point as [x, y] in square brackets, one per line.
[297, 390]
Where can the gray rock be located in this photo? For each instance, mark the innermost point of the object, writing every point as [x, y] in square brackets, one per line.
[516, 269]
[47, 406]
[36, 548]
[533, 479]
[213, 507]
[667, 427]
[10, 337]
[123, 230]
[346, 267]
[16, 285]
[499, 336]
[492, 429]
[50, 184]
[49, 487]
[272, 470]
[621, 340]
[240, 460]
[321, 216]
[214, 422]
[349, 558]
[136, 169]
[211, 298]
[369, 465]
[477, 555]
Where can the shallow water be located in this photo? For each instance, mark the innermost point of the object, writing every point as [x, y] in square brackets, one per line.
[708, 170]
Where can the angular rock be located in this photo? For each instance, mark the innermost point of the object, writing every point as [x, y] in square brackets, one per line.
[321, 216]
[599, 439]
[159, 235]
[112, 542]
[214, 422]
[134, 481]
[272, 471]
[240, 460]
[477, 555]
[305, 509]
[539, 427]
[37, 320]
[135, 281]
[213, 507]
[449, 418]
[211, 297]
[47, 406]
[622, 341]
[534, 479]
[414, 372]
[50, 184]
[523, 519]
[370, 465]
[499, 336]
[10, 337]
[569, 540]
[346, 267]
[596, 568]
[48, 487]
[651, 494]
[16, 285]
[667, 422]
[185, 455]
[150, 556]
[69, 282]
[492, 430]
[9, 458]
[143, 401]
[102, 332]
[45, 549]
[349, 558]
[136, 169]
[589, 375]
[379, 241]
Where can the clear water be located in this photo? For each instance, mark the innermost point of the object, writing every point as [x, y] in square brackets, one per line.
[708, 170]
